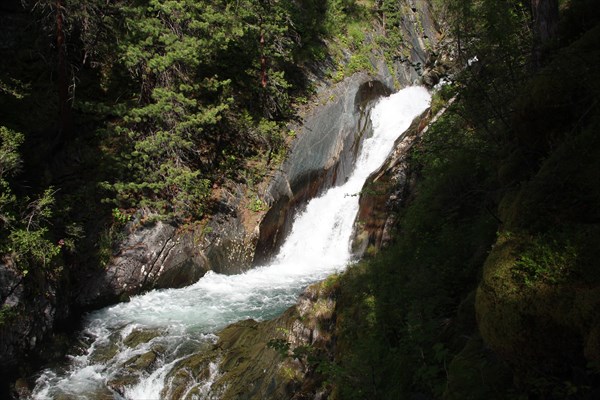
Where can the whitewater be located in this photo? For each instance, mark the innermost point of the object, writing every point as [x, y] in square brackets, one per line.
[187, 320]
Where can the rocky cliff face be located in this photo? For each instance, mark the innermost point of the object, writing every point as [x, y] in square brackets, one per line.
[385, 191]
[330, 135]
[161, 255]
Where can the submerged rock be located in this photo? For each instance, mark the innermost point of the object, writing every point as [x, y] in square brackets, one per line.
[139, 336]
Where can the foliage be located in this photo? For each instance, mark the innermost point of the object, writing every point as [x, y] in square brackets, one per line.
[24, 221]
[547, 260]
[198, 67]
[407, 296]
[256, 204]
[514, 153]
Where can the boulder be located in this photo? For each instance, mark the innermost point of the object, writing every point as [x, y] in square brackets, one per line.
[156, 255]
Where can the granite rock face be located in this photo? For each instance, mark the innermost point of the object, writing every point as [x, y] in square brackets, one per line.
[384, 192]
[388, 189]
[150, 257]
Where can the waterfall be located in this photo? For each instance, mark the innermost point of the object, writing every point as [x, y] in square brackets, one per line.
[183, 321]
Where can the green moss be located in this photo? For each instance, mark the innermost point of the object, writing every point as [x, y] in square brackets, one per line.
[476, 374]
[140, 336]
[543, 323]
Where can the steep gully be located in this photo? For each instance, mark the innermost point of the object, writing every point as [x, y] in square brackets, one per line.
[128, 350]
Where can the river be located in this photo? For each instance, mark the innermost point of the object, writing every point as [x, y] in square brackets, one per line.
[186, 320]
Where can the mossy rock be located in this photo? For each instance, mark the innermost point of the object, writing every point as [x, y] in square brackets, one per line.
[105, 351]
[119, 383]
[140, 336]
[187, 372]
[540, 324]
[249, 367]
[476, 373]
[96, 394]
[142, 361]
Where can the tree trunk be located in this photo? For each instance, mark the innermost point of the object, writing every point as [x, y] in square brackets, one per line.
[545, 26]
[64, 106]
[263, 62]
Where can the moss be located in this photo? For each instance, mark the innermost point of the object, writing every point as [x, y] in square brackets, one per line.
[142, 361]
[187, 372]
[140, 336]
[475, 373]
[539, 325]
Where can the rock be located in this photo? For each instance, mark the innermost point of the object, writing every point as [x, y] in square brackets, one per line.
[106, 352]
[26, 316]
[142, 362]
[230, 240]
[22, 389]
[139, 336]
[161, 255]
[384, 192]
[548, 326]
[120, 383]
[243, 365]
[330, 136]
[152, 256]
[476, 373]
[187, 372]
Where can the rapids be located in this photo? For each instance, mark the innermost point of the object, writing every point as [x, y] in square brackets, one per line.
[181, 321]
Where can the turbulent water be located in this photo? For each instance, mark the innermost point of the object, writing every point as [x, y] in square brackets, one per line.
[182, 321]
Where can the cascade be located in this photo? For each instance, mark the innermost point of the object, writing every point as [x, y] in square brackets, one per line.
[183, 321]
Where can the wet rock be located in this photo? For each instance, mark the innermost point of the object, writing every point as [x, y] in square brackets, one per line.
[142, 362]
[151, 256]
[104, 353]
[120, 383]
[186, 373]
[384, 192]
[139, 336]
[106, 350]
[251, 367]
[244, 365]
[95, 393]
